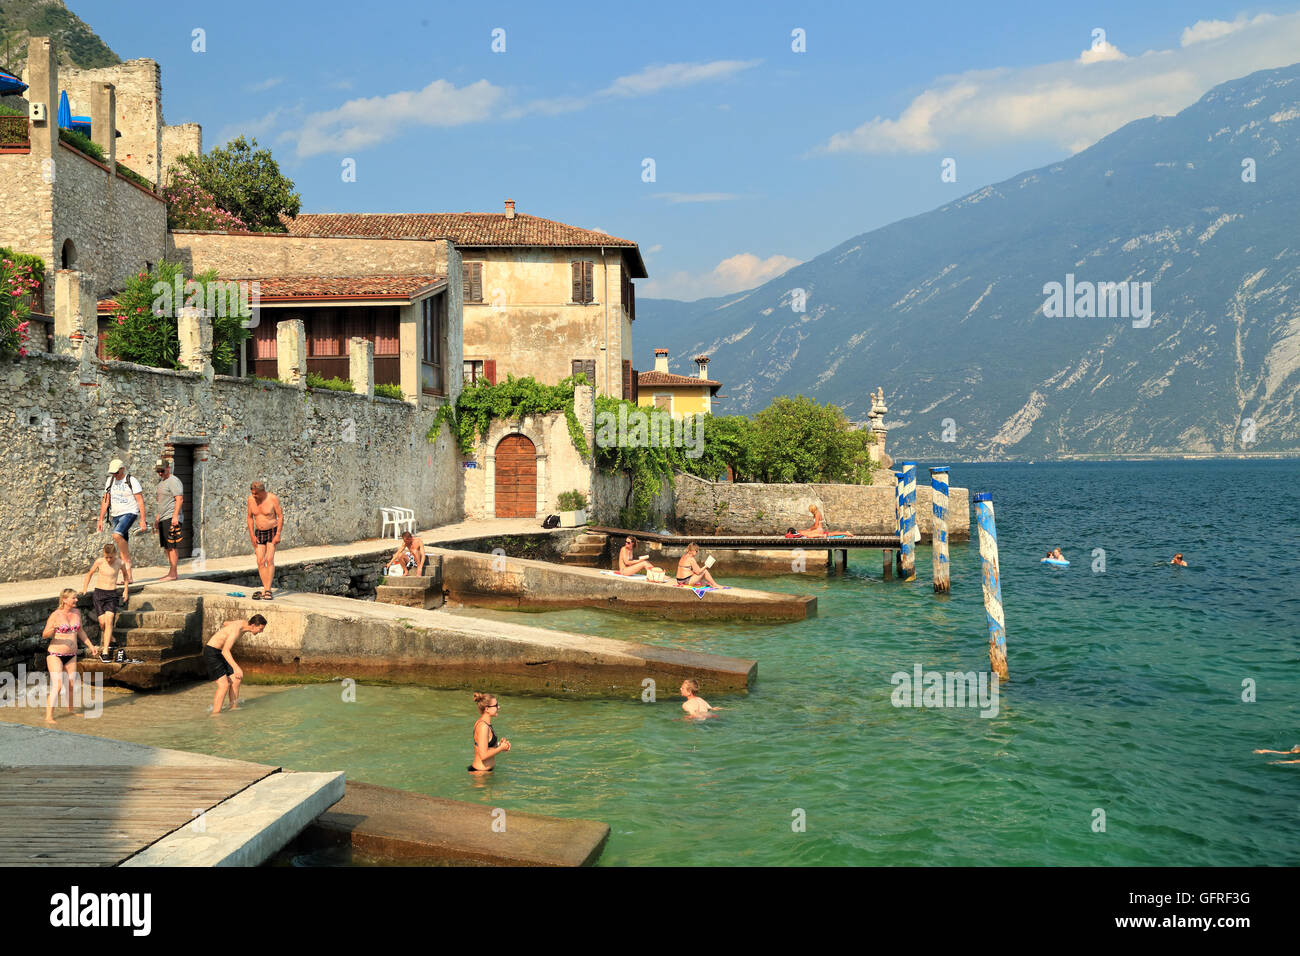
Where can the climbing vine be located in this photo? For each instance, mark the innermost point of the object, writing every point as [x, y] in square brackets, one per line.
[477, 406]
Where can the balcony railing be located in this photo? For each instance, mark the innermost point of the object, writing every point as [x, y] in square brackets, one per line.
[14, 133]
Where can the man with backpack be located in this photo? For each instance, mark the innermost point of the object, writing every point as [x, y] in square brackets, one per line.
[124, 504]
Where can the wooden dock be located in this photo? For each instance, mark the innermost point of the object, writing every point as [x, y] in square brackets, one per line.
[101, 816]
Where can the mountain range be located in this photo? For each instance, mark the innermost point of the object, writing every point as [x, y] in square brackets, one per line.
[949, 311]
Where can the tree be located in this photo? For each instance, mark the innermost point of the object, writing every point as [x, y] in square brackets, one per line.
[245, 182]
[797, 440]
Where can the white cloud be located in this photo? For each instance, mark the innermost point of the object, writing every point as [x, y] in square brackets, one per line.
[1074, 103]
[1204, 30]
[733, 274]
[653, 249]
[264, 85]
[652, 79]
[676, 198]
[368, 121]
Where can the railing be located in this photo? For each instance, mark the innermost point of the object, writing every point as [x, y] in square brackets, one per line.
[14, 132]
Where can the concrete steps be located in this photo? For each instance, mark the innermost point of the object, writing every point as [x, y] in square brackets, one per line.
[163, 636]
[410, 591]
[587, 550]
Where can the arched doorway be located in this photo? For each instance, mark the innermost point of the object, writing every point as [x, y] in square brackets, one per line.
[516, 478]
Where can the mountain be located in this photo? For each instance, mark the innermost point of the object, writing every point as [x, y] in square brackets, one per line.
[945, 310]
[76, 44]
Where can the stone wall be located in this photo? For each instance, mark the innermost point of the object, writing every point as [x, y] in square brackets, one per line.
[610, 493]
[333, 458]
[178, 141]
[26, 207]
[772, 508]
[138, 86]
[269, 254]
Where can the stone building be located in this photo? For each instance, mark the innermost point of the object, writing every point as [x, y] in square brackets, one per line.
[679, 395]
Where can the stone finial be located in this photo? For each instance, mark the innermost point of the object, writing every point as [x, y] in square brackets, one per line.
[291, 352]
[361, 366]
[194, 328]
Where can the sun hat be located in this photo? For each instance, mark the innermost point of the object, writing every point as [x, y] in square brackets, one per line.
[115, 466]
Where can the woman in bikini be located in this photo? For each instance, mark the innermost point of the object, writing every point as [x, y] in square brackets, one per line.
[629, 563]
[690, 572]
[486, 745]
[61, 630]
[818, 530]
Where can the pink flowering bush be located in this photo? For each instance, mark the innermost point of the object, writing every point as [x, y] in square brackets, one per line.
[190, 206]
[21, 277]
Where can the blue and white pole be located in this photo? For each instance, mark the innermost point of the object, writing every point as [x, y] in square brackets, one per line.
[907, 522]
[988, 533]
[939, 527]
[898, 520]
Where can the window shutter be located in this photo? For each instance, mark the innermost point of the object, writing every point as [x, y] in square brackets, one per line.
[577, 281]
[631, 300]
[490, 371]
[589, 367]
[575, 367]
[588, 294]
[464, 275]
[627, 379]
[476, 281]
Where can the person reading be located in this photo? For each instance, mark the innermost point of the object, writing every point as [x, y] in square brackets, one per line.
[629, 563]
[689, 570]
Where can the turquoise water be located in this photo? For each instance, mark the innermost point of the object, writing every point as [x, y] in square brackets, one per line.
[1125, 696]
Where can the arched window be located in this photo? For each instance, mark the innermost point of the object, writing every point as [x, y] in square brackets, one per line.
[68, 257]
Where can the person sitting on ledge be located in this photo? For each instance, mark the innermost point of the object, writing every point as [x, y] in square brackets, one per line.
[1178, 560]
[690, 572]
[409, 557]
[818, 530]
[629, 563]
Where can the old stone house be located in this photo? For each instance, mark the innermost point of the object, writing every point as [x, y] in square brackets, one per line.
[679, 395]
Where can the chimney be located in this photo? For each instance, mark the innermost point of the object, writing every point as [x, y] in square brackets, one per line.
[661, 360]
[510, 209]
[703, 362]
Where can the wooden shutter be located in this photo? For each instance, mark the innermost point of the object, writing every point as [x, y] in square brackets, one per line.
[464, 278]
[589, 368]
[631, 300]
[472, 275]
[627, 379]
[577, 281]
[588, 282]
[490, 371]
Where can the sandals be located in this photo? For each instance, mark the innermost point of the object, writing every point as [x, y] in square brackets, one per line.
[257, 595]
[266, 596]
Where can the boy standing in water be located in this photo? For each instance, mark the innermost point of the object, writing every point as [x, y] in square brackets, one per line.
[695, 706]
[221, 665]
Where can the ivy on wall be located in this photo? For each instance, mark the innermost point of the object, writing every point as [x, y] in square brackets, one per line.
[511, 400]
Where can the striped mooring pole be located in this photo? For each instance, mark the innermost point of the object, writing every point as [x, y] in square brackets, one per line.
[907, 521]
[898, 521]
[939, 528]
[988, 533]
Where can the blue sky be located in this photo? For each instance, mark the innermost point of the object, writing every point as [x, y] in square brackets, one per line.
[764, 157]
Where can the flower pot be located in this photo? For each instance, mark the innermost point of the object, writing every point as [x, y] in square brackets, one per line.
[572, 519]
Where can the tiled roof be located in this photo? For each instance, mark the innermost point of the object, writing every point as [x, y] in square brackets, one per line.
[273, 289]
[667, 378]
[468, 229]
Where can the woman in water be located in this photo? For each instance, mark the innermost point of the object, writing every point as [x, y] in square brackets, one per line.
[486, 746]
[690, 572]
[61, 630]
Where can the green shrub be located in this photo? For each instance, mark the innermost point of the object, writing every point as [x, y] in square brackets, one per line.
[317, 380]
[510, 400]
[572, 500]
[387, 390]
[20, 276]
[242, 182]
[82, 143]
[130, 174]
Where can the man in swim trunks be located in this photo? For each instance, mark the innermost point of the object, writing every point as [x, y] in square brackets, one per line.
[105, 571]
[221, 665]
[410, 556]
[123, 503]
[265, 519]
[628, 562]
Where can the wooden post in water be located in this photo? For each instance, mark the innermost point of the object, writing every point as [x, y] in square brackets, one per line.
[888, 574]
[939, 527]
[988, 533]
[907, 521]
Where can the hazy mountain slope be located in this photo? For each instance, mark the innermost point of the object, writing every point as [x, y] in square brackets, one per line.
[945, 309]
[76, 43]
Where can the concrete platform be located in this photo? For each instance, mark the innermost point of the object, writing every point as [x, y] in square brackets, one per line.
[415, 828]
[76, 800]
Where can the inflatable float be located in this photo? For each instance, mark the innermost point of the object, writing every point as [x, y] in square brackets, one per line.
[1055, 562]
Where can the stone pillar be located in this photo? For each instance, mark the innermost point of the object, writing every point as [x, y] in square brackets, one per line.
[361, 366]
[409, 350]
[194, 327]
[584, 407]
[103, 120]
[76, 324]
[291, 352]
[43, 87]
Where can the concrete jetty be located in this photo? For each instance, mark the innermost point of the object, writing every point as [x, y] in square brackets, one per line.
[415, 828]
[486, 580]
[71, 799]
[317, 636]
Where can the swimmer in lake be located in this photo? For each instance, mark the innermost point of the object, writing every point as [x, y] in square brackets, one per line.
[1178, 560]
[1293, 750]
[694, 705]
[1056, 553]
[486, 746]
[629, 563]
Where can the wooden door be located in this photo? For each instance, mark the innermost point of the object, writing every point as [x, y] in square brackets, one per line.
[516, 480]
[183, 468]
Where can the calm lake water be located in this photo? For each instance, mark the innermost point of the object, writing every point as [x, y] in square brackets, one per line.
[1125, 697]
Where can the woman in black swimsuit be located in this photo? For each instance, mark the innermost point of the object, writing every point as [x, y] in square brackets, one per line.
[61, 630]
[486, 746]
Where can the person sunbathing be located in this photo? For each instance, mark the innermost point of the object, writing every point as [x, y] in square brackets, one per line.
[690, 572]
[818, 529]
[629, 563]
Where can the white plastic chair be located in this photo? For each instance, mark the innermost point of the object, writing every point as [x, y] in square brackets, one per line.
[390, 520]
[404, 520]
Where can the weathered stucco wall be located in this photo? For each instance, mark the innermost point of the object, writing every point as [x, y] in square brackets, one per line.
[771, 509]
[560, 467]
[333, 458]
[528, 324]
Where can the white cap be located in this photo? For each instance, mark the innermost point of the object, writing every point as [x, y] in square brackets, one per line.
[115, 466]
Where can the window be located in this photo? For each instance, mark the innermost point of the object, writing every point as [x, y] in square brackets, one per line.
[432, 320]
[583, 282]
[664, 402]
[480, 370]
[629, 295]
[472, 273]
[585, 367]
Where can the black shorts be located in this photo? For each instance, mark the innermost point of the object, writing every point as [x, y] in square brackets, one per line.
[264, 535]
[167, 539]
[216, 663]
[105, 601]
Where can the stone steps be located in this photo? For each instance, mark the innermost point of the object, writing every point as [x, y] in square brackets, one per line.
[424, 591]
[587, 550]
[164, 636]
[150, 675]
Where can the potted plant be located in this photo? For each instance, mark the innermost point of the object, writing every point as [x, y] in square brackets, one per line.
[573, 509]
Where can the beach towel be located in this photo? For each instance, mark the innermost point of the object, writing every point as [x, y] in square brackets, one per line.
[704, 589]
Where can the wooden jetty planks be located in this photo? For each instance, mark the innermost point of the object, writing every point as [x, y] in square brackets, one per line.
[100, 816]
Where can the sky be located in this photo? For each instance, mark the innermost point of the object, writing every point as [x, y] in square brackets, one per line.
[732, 141]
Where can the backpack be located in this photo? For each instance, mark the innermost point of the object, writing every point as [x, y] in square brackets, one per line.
[551, 521]
[108, 485]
